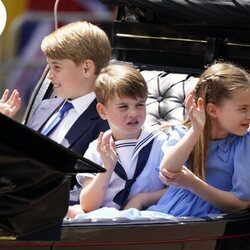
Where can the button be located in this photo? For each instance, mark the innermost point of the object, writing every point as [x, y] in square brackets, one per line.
[159, 99]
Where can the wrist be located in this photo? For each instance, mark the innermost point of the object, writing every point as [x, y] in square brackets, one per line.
[195, 184]
[194, 133]
[109, 167]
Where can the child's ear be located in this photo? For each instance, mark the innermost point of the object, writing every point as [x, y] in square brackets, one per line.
[212, 110]
[101, 110]
[88, 67]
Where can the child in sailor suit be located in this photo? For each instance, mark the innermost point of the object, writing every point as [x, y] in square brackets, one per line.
[130, 153]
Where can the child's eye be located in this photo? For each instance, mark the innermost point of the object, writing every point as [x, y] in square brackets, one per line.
[243, 109]
[141, 105]
[57, 68]
[122, 107]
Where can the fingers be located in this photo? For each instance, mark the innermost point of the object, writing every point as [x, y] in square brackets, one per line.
[10, 104]
[105, 140]
[99, 142]
[163, 178]
[107, 136]
[107, 150]
[168, 174]
[5, 96]
[200, 104]
[15, 102]
[170, 178]
[190, 102]
[189, 98]
[14, 97]
[166, 177]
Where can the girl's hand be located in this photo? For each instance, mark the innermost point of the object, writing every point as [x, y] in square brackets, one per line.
[10, 105]
[184, 178]
[107, 150]
[196, 112]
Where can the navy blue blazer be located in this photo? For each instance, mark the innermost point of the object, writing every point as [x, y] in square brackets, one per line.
[85, 129]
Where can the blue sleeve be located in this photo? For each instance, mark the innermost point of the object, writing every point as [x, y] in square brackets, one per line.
[241, 175]
[173, 136]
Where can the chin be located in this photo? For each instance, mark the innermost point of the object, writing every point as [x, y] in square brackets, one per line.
[242, 133]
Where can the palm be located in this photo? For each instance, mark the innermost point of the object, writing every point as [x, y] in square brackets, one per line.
[9, 105]
[196, 112]
[106, 148]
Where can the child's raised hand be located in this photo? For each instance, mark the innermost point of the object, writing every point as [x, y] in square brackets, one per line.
[10, 105]
[107, 150]
[195, 111]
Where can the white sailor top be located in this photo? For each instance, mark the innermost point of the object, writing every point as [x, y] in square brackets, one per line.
[128, 152]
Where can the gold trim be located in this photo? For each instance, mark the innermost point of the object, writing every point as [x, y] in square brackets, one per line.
[7, 238]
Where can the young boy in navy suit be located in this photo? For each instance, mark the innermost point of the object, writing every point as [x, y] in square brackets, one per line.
[75, 54]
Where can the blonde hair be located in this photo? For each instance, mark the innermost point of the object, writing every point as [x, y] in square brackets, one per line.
[123, 80]
[78, 41]
[216, 84]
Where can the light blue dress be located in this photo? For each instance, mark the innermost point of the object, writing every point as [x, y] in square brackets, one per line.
[228, 169]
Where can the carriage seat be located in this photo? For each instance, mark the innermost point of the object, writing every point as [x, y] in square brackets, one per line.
[167, 93]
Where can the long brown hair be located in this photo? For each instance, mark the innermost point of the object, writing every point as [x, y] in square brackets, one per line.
[215, 84]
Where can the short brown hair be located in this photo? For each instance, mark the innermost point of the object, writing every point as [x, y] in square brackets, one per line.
[78, 41]
[121, 79]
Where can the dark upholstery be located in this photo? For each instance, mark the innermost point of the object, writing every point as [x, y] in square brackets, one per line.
[167, 92]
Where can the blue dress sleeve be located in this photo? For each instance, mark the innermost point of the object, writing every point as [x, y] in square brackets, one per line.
[173, 136]
[241, 175]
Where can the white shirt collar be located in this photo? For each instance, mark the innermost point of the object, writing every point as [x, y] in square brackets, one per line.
[81, 103]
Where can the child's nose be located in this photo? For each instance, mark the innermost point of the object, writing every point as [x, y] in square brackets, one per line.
[50, 75]
[133, 112]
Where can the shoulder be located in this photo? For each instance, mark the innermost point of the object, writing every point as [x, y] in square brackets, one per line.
[174, 134]
[234, 146]
[241, 162]
[178, 130]
[47, 105]
[237, 142]
[245, 139]
[242, 145]
[152, 133]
